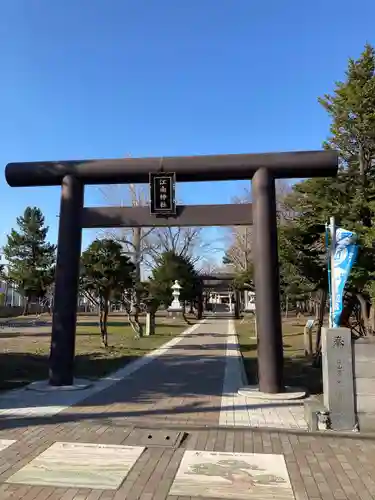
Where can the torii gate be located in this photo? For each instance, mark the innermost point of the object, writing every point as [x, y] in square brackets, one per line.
[263, 169]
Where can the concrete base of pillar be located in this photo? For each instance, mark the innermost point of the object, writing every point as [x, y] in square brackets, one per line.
[290, 394]
[44, 386]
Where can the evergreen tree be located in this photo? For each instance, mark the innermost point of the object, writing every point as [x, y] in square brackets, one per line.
[171, 267]
[105, 274]
[350, 197]
[31, 259]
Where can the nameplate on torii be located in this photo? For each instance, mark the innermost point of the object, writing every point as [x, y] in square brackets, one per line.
[162, 193]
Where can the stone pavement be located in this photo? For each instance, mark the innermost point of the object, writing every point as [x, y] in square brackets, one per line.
[244, 411]
[319, 468]
[25, 403]
[129, 437]
[170, 387]
[183, 385]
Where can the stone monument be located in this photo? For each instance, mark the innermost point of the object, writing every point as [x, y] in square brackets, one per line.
[176, 307]
[249, 302]
[307, 336]
[150, 324]
[152, 305]
[338, 383]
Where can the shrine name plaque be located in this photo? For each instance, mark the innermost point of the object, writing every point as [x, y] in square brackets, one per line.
[162, 193]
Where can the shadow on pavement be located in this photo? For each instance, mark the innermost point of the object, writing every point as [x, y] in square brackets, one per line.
[133, 417]
[175, 383]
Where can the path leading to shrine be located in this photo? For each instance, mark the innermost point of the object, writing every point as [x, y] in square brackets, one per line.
[193, 379]
[183, 385]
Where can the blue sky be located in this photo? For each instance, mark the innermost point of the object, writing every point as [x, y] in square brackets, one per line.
[108, 78]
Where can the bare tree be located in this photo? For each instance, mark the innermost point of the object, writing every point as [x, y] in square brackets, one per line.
[208, 267]
[283, 189]
[135, 241]
[183, 241]
[145, 244]
[239, 250]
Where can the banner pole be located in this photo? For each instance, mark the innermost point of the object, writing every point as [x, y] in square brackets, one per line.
[328, 256]
[332, 266]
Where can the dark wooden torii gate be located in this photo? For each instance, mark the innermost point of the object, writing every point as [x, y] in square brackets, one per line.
[263, 169]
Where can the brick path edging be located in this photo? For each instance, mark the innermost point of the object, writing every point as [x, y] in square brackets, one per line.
[244, 378]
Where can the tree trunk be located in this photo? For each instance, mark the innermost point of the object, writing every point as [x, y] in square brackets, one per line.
[372, 319]
[103, 319]
[364, 313]
[134, 322]
[26, 306]
[101, 322]
[286, 306]
[321, 309]
[205, 300]
[184, 314]
[200, 306]
[237, 304]
[105, 323]
[136, 316]
[349, 304]
[100, 319]
[137, 237]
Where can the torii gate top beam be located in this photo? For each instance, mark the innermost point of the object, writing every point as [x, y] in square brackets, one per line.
[301, 164]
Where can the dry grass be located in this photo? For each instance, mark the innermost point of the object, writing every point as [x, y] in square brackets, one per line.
[298, 369]
[25, 350]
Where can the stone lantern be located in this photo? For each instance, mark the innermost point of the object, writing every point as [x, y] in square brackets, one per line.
[176, 305]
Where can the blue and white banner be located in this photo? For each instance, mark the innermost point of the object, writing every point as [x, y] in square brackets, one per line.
[345, 254]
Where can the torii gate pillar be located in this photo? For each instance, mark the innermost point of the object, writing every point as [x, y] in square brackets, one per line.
[266, 278]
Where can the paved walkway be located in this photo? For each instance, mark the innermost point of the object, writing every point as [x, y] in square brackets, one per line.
[183, 385]
[192, 379]
[154, 431]
[24, 403]
[243, 411]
